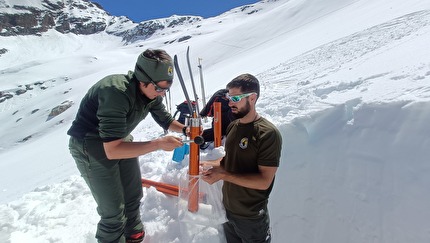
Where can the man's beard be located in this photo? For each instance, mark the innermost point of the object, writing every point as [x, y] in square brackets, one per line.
[242, 112]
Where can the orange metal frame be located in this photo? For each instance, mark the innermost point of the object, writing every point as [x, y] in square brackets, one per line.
[193, 172]
[162, 187]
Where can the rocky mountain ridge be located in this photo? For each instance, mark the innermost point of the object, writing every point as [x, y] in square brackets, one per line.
[78, 17]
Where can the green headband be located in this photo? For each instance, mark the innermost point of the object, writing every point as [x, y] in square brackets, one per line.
[148, 69]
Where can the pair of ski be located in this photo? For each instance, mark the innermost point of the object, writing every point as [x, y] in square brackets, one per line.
[194, 113]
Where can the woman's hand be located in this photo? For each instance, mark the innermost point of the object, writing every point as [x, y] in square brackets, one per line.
[169, 143]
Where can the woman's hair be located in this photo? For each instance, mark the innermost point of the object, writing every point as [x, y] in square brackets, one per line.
[158, 54]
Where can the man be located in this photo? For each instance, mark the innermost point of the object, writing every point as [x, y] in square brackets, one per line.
[102, 146]
[253, 150]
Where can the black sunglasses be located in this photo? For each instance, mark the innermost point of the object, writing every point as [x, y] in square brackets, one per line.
[158, 89]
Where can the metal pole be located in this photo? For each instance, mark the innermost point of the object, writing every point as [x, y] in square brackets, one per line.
[217, 124]
[193, 171]
[201, 82]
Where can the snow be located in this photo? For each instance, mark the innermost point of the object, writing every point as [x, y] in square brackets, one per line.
[346, 82]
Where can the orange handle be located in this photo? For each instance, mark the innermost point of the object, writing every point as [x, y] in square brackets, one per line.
[217, 124]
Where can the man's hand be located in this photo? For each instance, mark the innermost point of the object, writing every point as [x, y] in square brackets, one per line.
[212, 171]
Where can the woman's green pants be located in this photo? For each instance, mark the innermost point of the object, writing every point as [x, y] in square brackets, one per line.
[115, 185]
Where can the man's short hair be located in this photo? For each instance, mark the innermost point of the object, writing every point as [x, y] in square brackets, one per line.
[247, 83]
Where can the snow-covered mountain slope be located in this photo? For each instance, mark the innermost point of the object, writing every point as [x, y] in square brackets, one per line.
[346, 82]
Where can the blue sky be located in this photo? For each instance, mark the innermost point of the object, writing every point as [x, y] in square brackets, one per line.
[140, 10]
